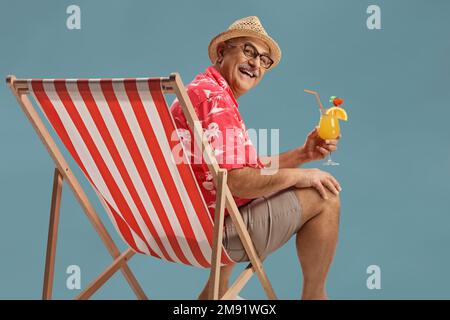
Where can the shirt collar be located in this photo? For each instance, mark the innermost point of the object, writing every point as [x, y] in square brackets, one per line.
[214, 74]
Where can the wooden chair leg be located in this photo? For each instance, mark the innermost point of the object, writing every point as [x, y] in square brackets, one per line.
[52, 235]
[52, 241]
[218, 235]
[105, 275]
[248, 245]
[132, 281]
[240, 282]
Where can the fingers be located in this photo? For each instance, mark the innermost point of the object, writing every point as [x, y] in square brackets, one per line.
[314, 133]
[336, 183]
[320, 188]
[329, 148]
[323, 151]
[322, 181]
[330, 145]
[331, 186]
[332, 142]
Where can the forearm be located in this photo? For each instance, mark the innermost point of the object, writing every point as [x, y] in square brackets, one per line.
[289, 159]
[249, 183]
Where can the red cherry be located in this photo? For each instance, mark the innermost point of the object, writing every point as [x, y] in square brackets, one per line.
[338, 102]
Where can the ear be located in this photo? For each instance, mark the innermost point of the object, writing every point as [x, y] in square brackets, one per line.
[220, 51]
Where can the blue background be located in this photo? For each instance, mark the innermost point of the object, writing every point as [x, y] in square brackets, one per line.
[394, 152]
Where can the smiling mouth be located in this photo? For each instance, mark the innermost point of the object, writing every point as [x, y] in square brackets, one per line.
[247, 73]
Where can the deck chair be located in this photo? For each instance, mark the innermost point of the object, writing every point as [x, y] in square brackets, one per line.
[119, 132]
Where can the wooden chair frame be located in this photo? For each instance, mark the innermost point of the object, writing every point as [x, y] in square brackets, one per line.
[172, 84]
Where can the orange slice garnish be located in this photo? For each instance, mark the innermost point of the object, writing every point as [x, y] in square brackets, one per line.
[338, 112]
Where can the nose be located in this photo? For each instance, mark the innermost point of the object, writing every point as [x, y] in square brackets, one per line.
[255, 62]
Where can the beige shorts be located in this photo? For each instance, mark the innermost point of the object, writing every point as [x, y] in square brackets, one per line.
[271, 221]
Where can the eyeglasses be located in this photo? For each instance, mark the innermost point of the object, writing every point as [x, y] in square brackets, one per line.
[250, 52]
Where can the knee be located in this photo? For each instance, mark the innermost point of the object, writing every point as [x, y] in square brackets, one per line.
[333, 203]
[313, 203]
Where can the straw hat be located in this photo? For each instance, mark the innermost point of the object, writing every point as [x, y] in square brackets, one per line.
[245, 27]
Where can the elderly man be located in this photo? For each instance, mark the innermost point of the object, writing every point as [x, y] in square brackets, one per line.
[293, 201]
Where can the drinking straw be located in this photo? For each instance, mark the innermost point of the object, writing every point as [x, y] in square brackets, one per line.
[322, 109]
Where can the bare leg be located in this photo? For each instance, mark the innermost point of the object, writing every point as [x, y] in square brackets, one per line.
[225, 273]
[316, 240]
[316, 244]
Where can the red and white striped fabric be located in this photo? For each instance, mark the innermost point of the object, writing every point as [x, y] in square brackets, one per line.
[119, 131]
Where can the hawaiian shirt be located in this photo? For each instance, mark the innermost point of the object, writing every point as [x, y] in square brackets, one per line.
[217, 110]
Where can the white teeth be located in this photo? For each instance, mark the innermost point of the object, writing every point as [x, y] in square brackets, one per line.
[247, 72]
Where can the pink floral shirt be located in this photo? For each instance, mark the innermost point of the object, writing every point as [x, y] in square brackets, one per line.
[217, 110]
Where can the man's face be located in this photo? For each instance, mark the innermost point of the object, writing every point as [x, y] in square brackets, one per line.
[241, 72]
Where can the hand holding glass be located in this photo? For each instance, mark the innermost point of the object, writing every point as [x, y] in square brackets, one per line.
[329, 130]
[329, 121]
